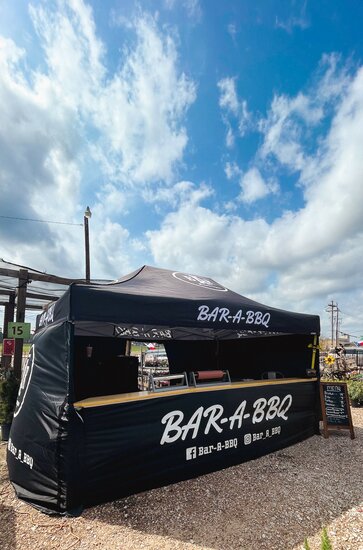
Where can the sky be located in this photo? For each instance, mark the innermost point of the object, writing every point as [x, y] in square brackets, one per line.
[222, 139]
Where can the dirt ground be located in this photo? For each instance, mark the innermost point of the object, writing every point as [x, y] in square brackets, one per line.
[272, 503]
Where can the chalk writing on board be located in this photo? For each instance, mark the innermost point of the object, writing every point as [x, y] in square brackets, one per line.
[335, 407]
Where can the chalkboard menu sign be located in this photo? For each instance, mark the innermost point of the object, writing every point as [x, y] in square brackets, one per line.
[335, 407]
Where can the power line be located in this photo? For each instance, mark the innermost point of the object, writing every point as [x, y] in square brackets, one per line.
[41, 221]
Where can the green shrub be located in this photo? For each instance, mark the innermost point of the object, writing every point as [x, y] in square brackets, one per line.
[355, 390]
[8, 393]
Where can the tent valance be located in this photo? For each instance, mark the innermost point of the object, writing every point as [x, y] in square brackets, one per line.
[172, 305]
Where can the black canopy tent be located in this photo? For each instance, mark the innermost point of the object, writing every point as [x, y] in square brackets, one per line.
[71, 446]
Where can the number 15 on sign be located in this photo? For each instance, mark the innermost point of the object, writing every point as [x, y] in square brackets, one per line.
[19, 330]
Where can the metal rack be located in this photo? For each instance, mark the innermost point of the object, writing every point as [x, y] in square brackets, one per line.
[216, 378]
[155, 380]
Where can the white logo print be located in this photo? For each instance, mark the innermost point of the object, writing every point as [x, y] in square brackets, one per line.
[191, 453]
[195, 280]
[25, 381]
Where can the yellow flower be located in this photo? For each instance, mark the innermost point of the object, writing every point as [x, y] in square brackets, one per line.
[329, 360]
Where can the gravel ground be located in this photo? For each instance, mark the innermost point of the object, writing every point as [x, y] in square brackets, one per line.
[272, 503]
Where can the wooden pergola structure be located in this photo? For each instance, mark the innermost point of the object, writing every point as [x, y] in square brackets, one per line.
[18, 293]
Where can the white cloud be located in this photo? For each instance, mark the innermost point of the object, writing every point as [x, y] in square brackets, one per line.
[232, 31]
[135, 117]
[192, 7]
[283, 128]
[233, 109]
[49, 169]
[232, 170]
[302, 258]
[299, 20]
[149, 99]
[254, 187]
[181, 192]
[228, 99]
[291, 120]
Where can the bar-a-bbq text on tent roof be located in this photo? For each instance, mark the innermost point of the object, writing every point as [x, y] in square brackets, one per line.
[159, 304]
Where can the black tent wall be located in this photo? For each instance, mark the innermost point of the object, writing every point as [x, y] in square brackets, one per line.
[39, 445]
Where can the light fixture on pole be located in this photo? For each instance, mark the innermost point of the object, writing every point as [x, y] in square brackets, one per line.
[86, 217]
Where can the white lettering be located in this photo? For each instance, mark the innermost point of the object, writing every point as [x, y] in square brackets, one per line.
[259, 407]
[237, 318]
[223, 314]
[284, 408]
[266, 319]
[215, 412]
[193, 424]
[250, 317]
[273, 403]
[213, 316]
[238, 416]
[203, 313]
[172, 421]
[176, 427]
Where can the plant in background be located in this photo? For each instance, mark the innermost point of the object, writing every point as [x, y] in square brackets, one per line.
[9, 387]
[355, 391]
[329, 360]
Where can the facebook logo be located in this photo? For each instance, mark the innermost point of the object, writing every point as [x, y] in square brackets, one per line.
[191, 453]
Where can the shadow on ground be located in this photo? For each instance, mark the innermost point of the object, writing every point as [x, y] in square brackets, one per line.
[8, 525]
[273, 502]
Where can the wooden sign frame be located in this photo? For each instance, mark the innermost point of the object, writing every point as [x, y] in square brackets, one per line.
[326, 426]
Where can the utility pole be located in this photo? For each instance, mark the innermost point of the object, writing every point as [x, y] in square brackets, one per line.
[86, 217]
[337, 326]
[332, 308]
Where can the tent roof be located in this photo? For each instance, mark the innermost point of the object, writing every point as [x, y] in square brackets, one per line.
[157, 299]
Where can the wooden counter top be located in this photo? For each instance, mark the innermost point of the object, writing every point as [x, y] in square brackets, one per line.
[140, 395]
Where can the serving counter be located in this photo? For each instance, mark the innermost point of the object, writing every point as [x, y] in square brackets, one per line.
[139, 395]
[140, 440]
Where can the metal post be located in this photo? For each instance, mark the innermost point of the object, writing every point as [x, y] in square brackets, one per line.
[330, 309]
[337, 327]
[86, 216]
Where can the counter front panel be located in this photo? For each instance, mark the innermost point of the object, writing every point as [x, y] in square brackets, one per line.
[139, 444]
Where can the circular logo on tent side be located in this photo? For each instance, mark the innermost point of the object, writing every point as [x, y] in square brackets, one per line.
[203, 282]
[26, 375]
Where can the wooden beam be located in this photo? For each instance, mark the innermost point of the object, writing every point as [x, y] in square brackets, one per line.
[8, 318]
[40, 277]
[29, 306]
[20, 316]
[35, 295]
[45, 297]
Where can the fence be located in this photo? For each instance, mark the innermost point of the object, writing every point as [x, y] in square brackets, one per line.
[356, 355]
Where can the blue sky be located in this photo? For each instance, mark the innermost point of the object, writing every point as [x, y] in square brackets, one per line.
[217, 138]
